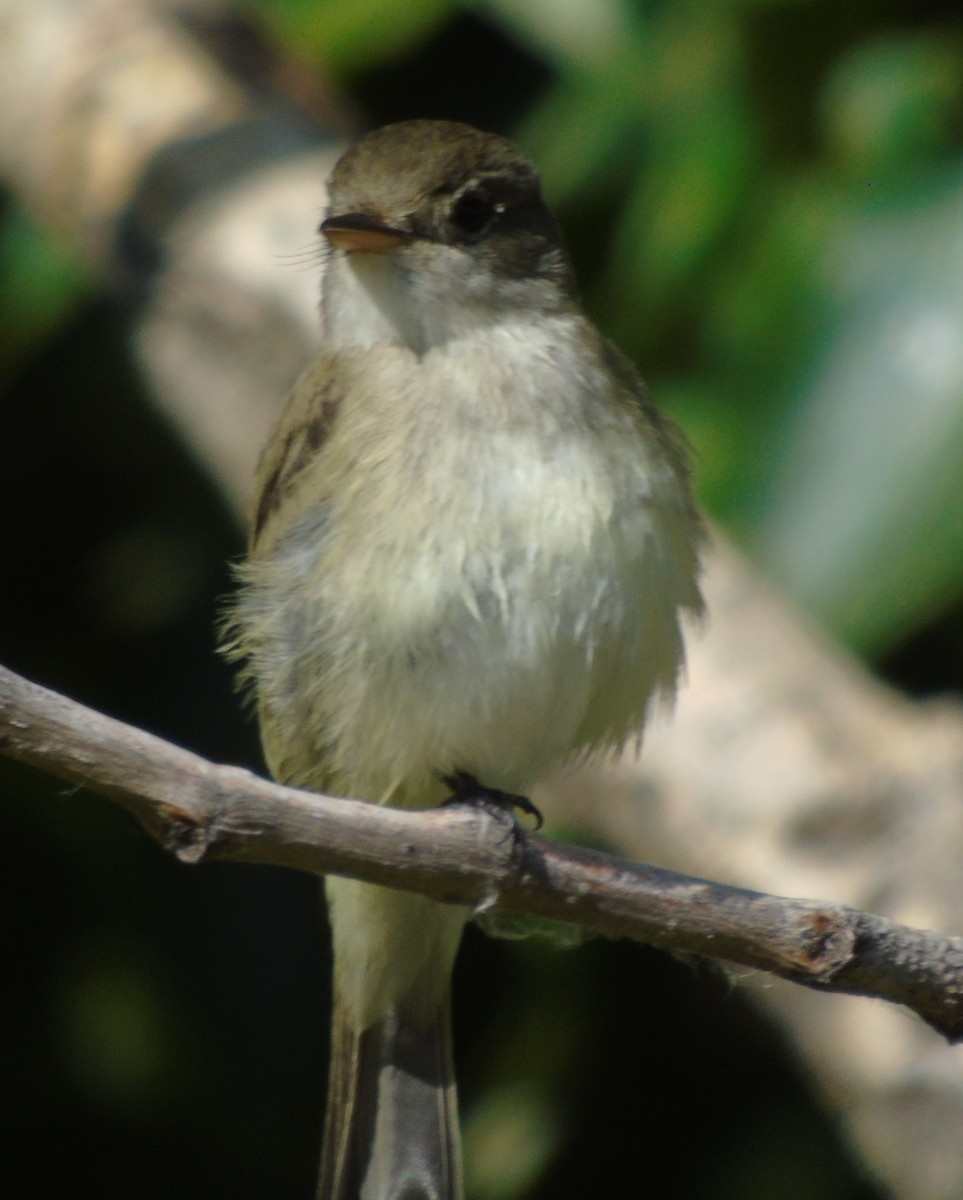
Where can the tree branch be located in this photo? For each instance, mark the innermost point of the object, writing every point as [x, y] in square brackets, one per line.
[459, 855]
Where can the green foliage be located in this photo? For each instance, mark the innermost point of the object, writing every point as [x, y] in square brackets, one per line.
[353, 36]
[864, 512]
[40, 287]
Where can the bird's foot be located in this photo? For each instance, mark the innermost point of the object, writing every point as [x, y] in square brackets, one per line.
[466, 789]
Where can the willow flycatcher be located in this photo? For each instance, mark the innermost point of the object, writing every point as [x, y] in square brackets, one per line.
[472, 542]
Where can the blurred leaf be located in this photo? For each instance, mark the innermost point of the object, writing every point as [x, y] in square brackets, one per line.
[40, 286]
[712, 431]
[517, 926]
[581, 127]
[510, 1136]
[115, 1030]
[581, 34]
[350, 36]
[681, 205]
[765, 297]
[143, 577]
[892, 102]
[866, 514]
[585, 125]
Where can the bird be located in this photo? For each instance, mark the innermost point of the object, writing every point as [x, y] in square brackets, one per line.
[473, 549]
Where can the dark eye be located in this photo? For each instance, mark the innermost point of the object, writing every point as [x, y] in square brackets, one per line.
[473, 214]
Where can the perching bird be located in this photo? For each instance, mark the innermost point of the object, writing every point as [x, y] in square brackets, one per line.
[472, 542]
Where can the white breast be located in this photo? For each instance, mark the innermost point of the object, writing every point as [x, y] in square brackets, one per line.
[498, 591]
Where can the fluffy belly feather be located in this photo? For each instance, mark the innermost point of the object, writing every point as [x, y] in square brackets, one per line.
[405, 654]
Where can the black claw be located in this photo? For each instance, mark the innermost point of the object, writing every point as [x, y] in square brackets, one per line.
[466, 789]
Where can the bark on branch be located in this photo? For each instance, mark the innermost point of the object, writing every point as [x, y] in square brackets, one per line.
[202, 811]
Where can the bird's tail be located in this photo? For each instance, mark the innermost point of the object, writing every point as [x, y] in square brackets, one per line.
[391, 1124]
[391, 1127]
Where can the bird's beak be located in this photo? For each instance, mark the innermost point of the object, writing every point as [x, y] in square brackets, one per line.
[359, 231]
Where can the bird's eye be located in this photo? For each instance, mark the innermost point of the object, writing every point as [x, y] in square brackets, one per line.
[474, 213]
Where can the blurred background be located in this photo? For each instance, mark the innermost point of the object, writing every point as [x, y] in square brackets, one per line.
[764, 202]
